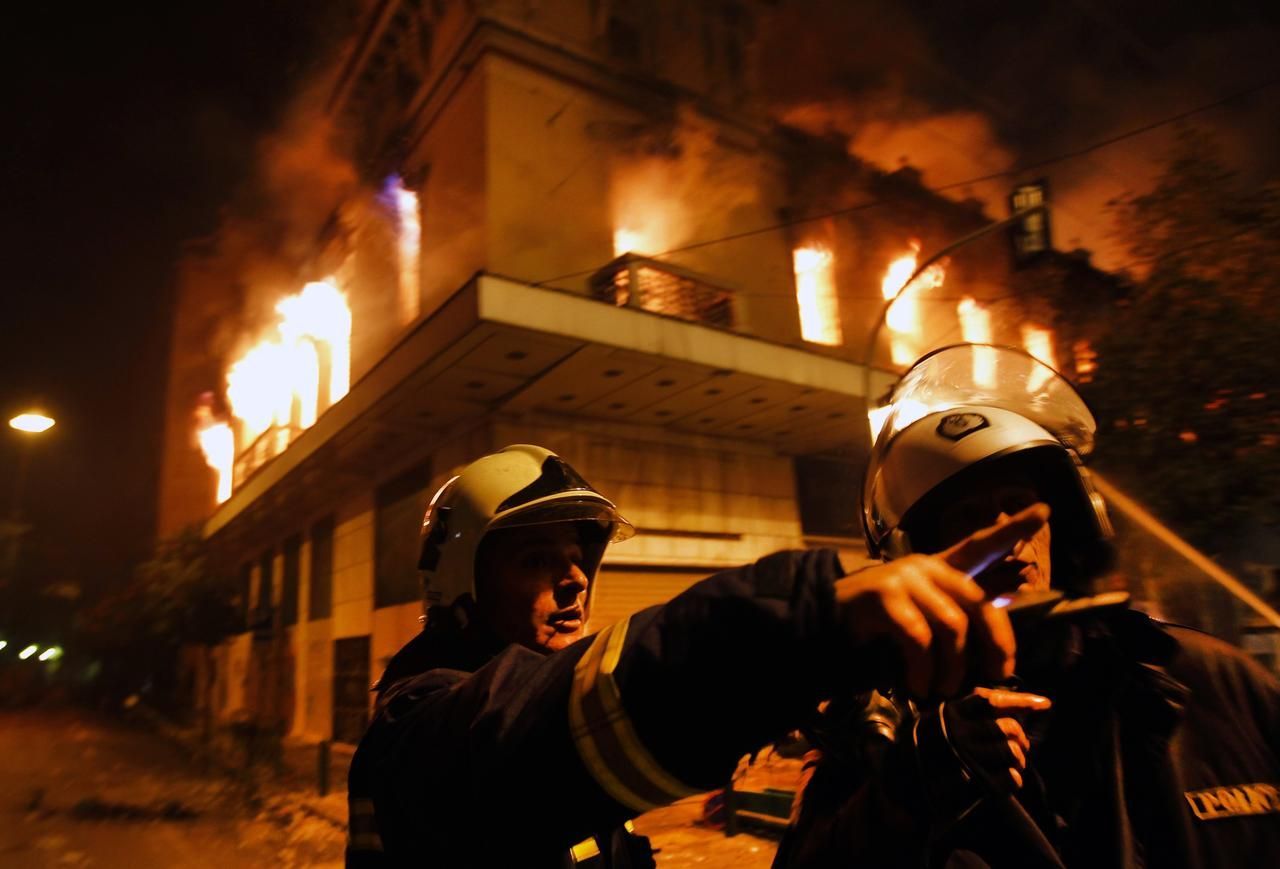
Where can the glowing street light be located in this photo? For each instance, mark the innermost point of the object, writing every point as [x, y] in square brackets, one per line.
[32, 422]
[51, 654]
[28, 652]
[3, 644]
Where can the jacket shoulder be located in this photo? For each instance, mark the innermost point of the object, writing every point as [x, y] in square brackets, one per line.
[1215, 670]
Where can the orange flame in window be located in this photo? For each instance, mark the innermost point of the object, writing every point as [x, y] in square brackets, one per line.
[409, 235]
[903, 318]
[816, 296]
[280, 383]
[975, 327]
[627, 241]
[1038, 341]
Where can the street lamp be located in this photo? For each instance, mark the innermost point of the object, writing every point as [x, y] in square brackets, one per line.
[31, 422]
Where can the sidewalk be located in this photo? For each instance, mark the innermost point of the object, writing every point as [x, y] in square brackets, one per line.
[681, 839]
[677, 832]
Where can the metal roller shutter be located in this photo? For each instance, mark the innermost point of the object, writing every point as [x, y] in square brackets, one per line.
[621, 591]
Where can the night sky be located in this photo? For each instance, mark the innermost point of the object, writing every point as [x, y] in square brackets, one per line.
[128, 129]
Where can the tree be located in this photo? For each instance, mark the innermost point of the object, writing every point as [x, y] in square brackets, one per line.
[1187, 390]
[174, 599]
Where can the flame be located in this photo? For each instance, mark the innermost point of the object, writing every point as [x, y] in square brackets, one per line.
[258, 389]
[903, 317]
[279, 383]
[1038, 341]
[975, 327]
[320, 313]
[404, 203]
[1086, 360]
[816, 296]
[627, 241]
[218, 443]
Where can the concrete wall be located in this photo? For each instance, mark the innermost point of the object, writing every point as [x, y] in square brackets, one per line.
[353, 568]
[447, 166]
[568, 165]
[678, 484]
[706, 48]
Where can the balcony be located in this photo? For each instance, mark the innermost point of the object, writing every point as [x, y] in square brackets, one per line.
[634, 281]
[271, 443]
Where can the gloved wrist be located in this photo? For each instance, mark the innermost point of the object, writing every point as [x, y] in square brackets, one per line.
[947, 784]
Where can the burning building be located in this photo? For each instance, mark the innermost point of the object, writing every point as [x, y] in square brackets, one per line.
[571, 226]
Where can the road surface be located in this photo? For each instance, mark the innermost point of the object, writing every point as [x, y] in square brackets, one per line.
[84, 792]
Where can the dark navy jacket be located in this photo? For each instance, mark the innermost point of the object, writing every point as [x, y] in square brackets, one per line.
[1162, 750]
[516, 762]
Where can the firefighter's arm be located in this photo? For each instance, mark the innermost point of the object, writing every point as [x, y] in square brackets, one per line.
[665, 703]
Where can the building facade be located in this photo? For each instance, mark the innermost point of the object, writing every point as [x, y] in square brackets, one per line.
[568, 223]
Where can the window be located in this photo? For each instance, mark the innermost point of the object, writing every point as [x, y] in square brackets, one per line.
[262, 609]
[399, 508]
[321, 601]
[289, 580]
[828, 492]
[245, 601]
[350, 688]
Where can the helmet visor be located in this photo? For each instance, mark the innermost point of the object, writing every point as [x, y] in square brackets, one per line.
[990, 376]
[569, 509]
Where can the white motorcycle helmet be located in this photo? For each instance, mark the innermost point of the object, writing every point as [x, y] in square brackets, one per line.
[966, 416]
[517, 486]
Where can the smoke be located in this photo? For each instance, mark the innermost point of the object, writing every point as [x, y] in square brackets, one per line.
[891, 131]
[960, 91]
[677, 184]
[264, 247]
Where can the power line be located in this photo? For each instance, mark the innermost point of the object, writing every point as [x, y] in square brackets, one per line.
[1120, 137]
[1008, 173]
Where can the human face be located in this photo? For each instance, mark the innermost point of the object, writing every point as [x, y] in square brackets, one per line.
[1027, 566]
[535, 590]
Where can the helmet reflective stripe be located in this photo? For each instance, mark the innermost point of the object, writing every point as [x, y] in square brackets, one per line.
[516, 486]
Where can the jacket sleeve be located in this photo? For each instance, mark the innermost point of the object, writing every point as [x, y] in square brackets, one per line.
[661, 705]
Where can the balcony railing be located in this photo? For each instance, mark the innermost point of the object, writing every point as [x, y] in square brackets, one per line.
[635, 281]
[271, 443]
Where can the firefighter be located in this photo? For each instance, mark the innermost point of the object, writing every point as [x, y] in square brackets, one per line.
[505, 738]
[1129, 742]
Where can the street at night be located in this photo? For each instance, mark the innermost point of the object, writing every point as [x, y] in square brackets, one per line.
[81, 792]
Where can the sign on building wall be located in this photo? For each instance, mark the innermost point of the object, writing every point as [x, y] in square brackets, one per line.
[1030, 235]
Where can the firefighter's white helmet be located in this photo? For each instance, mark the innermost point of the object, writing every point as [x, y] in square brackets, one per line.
[964, 416]
[516, 486]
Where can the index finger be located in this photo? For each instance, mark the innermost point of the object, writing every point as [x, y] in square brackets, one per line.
[981, 548]
[1001, 698]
